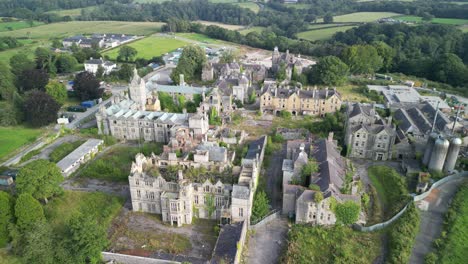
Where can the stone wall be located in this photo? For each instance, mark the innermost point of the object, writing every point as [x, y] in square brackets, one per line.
[272, 216]
[128, 259]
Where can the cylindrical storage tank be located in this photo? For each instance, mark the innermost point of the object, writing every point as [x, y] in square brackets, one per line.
[430, 144]
[439, 152]
[452, 154]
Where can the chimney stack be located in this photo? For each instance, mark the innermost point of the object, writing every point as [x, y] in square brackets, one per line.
[181, 80]
[330, 137]
[326, 92]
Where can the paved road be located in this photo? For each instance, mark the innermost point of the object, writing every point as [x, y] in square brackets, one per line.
[274, 175]
[268, 243]
[432, 220]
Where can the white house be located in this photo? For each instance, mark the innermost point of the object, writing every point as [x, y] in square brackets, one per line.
[92, 65]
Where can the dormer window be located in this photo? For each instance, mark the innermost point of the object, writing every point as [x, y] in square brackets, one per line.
[207, 188]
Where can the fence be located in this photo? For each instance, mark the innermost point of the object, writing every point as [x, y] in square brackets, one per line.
[265, 220]
[129, 259]
[416, 198]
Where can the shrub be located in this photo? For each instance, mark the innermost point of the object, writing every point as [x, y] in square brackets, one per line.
[401, 236]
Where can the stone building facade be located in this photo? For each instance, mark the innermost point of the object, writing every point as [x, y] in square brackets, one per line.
[314, 206]
[368, 136]
[298, 101]
[179, 200]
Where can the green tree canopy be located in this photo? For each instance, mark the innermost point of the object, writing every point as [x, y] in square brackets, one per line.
[329, 71]
[66, 63]
[31, 79]
[449, 68]
[190, 64]
[387, 54]
[7, 87]
[45, 59]
[362, 59]
[40, 178]
[260, 206]
[20, 62]
[40, 108]
[87, 239]
[38, 244]
[58, 91]
[6, 216]
[347, 213]
[127, 53]
[28, 211]
[87, 86]
[328, 18]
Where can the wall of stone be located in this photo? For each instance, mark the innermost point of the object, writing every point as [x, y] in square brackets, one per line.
[272, 216]
[128, 259]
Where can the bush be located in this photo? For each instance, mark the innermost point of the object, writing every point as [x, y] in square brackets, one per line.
[63, 150]
[285, 114]
[347, 213]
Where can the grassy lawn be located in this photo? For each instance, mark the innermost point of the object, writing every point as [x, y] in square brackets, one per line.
[115, 163]
[102, 207]
[226, 26]
[456, 239]
[446, 21]
[351, 93]
[391, 189]
[199, 37]
[6, 258]
[249, 5]
[319, 26]
[362, 17]
[15, 25]
[11, 138]
[308, 244]
[65, 29]
[322, 34]
[150, 47]
[71, 12]
[63, 150]
[251, 29]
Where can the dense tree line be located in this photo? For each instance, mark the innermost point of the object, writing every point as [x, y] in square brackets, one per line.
[9, 43]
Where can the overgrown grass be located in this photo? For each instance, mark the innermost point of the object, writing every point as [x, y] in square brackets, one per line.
[12, 138]
[102, 207]
[6, 258]
[391, 188]
[150, 47]
[451, 246]
[29, 155]
[251, 29]
[114, 165]
[63, 150]
[338, 244]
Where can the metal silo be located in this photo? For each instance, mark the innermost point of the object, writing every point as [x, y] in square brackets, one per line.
[429, 146]
[439, 152]
[452, 154]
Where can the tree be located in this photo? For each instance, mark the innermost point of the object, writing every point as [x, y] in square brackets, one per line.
[426, 16]
[45, 59]
[328, 18]
[127, 53]
[449, 68]
[58, 91]
[28, 211]
[330, 71]
[318, 196]
[387, 54]
[362, 59]
[31, 79]
[20, 62]
[40, 178]
[100, 72]
[40, 108]
[190, 64]
[347, 213]
[7, 88]
[38, 244]
[66, 63]
[6, 216]
[213, 118]
[126, 72]
[210, 204]
[87, 86]
[260, 206]
[228, 56]
[87, 239]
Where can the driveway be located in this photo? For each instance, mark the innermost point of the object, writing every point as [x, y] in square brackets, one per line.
[432, 220]
[268, 243]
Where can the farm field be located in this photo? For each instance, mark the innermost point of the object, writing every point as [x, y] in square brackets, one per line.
[446, 21]
[361, 17]
[12, 138]
[321, 34]
[66, 29]
[318, 26]
[199, 37]
[251, 29]
[150, 47]
[226, 26]
[15, 25]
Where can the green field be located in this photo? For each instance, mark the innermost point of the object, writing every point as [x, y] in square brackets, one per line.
[298, 6]
[318, 26]
[199, 37]
[337, 244]
[445, 21]
[321, 34]
[70, 12]
[251, 29]
[361, 17]
[150, 47]
[11, 138]
[15, 25]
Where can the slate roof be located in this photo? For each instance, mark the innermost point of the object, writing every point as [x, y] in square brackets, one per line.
[226, 246]
[358, 109]
[255, 147]
[240, 192]
[332, 167]
[286, 93]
